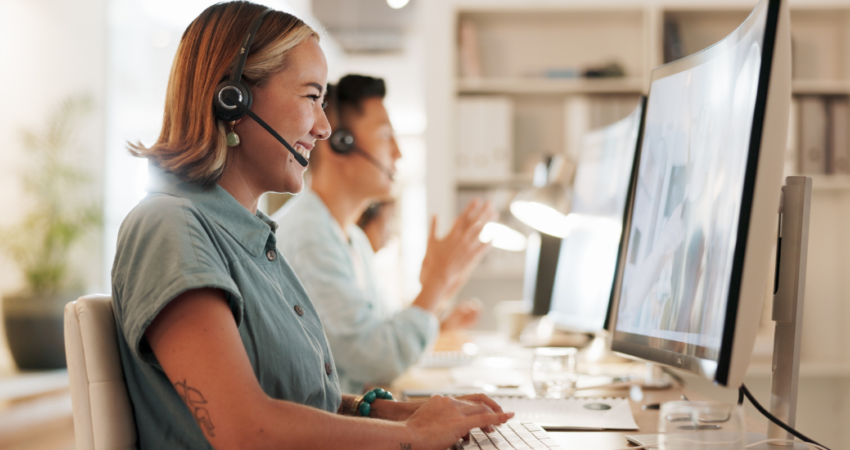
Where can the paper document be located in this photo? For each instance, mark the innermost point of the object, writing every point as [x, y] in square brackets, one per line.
[572, 413]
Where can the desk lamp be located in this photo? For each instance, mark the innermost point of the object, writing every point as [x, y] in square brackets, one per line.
[544, 207]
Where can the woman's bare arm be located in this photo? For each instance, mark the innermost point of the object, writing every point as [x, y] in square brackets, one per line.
[197, 343]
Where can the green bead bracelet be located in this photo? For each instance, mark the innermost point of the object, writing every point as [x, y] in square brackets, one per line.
[365, 406]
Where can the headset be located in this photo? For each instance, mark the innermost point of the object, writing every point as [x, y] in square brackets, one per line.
[342, 141]
[233, 99]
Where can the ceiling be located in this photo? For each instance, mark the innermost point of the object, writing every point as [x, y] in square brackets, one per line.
[365, 26]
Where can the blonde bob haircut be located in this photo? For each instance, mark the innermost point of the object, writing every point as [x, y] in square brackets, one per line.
[192, 143]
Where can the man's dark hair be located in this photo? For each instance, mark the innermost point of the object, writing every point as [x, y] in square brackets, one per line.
[350, 92]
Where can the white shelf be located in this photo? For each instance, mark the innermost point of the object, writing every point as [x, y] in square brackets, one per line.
[486, 273]
[820, 87]
[628, 85]
[516, 180]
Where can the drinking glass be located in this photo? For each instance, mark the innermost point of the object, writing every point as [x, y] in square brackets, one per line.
[701, 426]
[553, 372]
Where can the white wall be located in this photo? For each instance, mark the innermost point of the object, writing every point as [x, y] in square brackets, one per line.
[52, 49]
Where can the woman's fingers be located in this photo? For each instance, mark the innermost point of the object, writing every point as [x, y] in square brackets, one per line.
[483, 398]
[485, 421]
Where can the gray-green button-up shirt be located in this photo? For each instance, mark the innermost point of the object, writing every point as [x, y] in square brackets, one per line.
[182, 237]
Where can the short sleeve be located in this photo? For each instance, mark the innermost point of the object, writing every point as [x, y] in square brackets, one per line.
[165, 248]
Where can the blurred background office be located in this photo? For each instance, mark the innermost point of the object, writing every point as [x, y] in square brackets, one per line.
[480, 94]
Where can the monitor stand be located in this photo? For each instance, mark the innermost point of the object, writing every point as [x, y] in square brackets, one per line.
[789, 290]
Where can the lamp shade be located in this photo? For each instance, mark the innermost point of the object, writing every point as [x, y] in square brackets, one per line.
[503, 237]
[543, 208]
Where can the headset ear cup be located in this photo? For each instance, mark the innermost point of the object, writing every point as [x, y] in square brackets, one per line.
[341, 141]
[227, 111]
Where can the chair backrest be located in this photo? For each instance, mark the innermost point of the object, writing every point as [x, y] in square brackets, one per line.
[103, 415]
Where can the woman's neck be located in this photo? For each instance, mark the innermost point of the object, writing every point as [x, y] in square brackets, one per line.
[344, 204]
[238, 186]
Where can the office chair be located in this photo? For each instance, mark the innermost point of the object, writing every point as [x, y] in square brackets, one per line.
[103, 415]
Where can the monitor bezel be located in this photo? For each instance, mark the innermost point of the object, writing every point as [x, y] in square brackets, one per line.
[717, 370]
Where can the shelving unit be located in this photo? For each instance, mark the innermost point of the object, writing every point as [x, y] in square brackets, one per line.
[548, 115]
[520, 42]
[631, 85]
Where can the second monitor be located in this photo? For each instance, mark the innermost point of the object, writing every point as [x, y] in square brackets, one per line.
[588, 253]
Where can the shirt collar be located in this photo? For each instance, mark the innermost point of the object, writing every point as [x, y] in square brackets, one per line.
[251, 231]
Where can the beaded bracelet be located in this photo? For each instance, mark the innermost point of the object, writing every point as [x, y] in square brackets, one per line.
[364, 402]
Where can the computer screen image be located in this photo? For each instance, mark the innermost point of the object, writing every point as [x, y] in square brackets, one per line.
[588, 255]
[703, 211]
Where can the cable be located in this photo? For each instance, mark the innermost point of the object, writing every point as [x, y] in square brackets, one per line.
[740, 397]
[743, 389]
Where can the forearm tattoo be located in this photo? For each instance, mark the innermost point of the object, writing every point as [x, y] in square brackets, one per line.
[404, 446]
[195, 401]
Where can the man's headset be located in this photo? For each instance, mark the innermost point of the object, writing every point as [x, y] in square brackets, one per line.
[342, 140]
[233, 97]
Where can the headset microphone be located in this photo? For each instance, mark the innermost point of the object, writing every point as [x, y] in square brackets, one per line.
[233, 99]
[243, 108]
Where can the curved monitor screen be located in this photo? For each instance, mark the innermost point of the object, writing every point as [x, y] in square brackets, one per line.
[588, 255]
[687, 202]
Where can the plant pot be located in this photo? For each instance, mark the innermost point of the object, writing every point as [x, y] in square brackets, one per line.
[35, 330]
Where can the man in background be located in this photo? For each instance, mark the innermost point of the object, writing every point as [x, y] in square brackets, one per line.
[372, 340]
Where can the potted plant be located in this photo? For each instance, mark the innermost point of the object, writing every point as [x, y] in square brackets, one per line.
[41, 243]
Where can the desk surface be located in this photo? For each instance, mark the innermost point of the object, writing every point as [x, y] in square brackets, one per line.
[647, 420]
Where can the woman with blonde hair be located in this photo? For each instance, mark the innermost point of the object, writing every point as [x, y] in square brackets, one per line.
[221, 347]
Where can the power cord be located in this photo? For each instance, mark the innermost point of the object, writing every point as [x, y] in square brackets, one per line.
[746, 392]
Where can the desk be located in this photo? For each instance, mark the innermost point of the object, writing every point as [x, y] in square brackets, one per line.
[647, 421]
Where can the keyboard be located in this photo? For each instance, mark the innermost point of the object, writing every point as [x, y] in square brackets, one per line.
[511, 436]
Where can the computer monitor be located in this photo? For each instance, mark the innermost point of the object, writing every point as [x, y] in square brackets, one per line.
[703, 214]
[588, 255]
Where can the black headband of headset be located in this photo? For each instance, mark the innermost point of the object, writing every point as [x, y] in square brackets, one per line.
[239, 62]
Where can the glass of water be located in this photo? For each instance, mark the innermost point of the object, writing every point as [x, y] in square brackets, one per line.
[701, 426]
[553, 372]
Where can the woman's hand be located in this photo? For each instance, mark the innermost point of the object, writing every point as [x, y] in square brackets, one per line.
[462, 316]
[449, 261]
[441, 421]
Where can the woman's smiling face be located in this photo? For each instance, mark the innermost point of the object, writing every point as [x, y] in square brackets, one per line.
[291, 103]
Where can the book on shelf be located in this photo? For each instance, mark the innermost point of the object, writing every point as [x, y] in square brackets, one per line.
[812, 136]
[838, 155]
[673, 48]
[468, 50]
[823, 141]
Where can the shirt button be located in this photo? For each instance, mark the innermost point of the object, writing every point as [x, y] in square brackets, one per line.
[299, 310]
[271, 255]
[328, 368]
